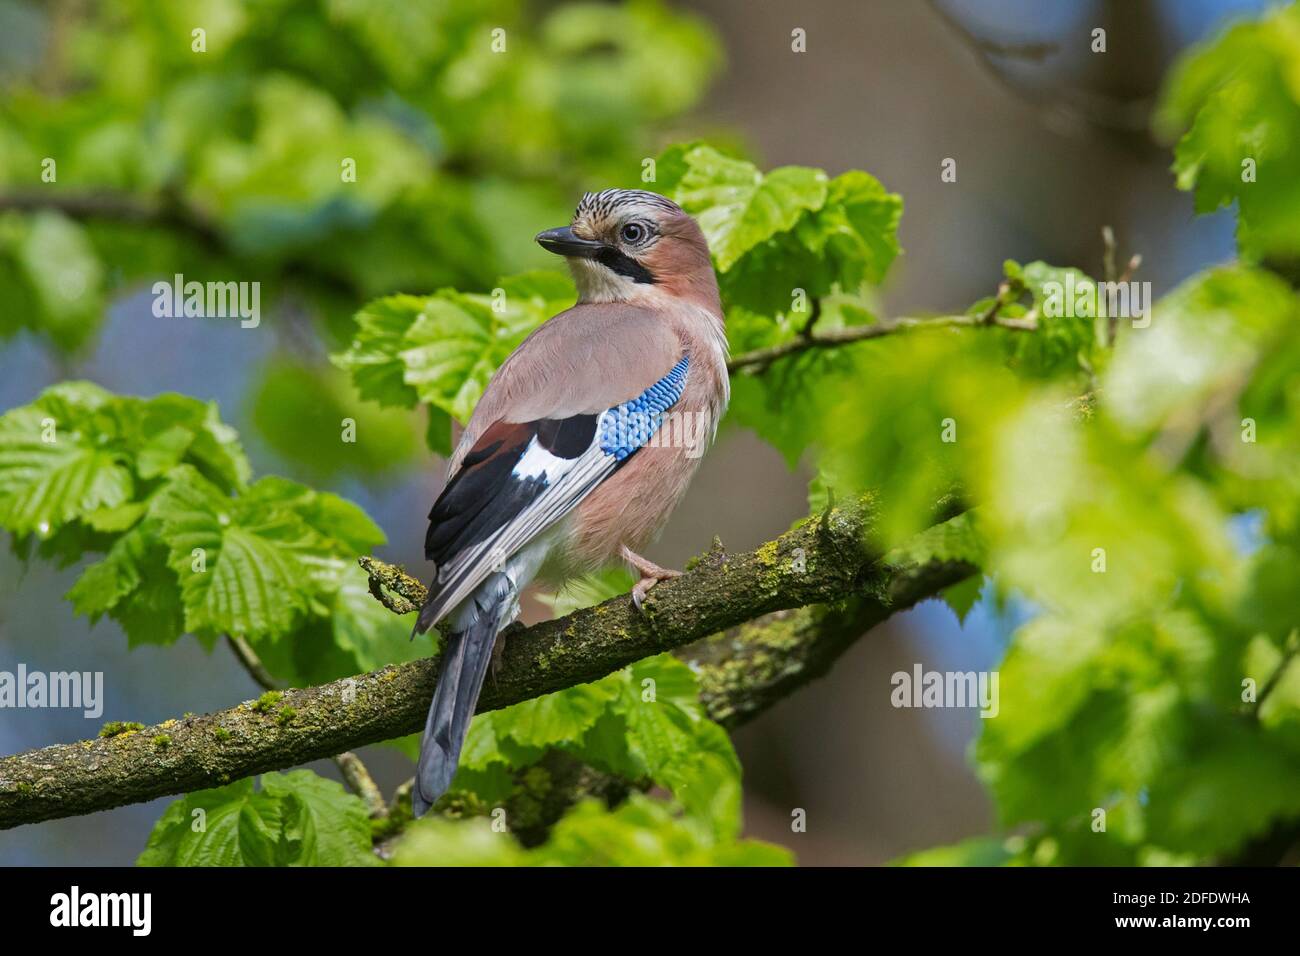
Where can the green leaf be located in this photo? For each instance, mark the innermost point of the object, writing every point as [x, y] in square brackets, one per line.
[153, 612]
[372, 634]
[434, 841]
[295, 819]
[374, 358]
[1047, 675]
[1205, 336]
[213, 446]
[645, 722]
[50, 473]
[490, 742]
[348, 633]
[79, 453]
[116, 519]
[785, 404]
[1090, 525]
[104, 584]
[1233, 101]
[645, 832]
[1270, 602]
[739, 207]
[1227, 790]
[199, 828]
[134, 586]
[448, 353]
[788, 230]
[334, 824]
[911, 444]
[241, 564]
[443, 349]
[964, 596]
[555, 718]
[437, 432]
[343, 527]
[1071, 312]
[956, 540]
[856, 231]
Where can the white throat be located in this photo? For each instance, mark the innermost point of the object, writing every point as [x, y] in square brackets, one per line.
[599, 283]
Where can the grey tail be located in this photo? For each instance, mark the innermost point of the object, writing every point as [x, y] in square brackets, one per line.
[464, 666]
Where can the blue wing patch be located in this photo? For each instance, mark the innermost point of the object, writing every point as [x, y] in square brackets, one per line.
[629, 426]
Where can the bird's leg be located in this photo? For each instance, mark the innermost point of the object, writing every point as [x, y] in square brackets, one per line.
[499, 646]
[651, 574]
[495, 664]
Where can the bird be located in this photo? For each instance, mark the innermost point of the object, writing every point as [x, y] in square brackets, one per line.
[582, 444]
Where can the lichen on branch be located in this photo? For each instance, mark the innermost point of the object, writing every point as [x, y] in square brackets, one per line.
[825, 561]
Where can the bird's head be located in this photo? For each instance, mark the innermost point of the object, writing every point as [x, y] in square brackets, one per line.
[629, 245]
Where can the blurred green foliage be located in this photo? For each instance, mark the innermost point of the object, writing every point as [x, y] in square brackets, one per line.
[332, 150]
[303, 410]
[639, 832]
[1235, 102]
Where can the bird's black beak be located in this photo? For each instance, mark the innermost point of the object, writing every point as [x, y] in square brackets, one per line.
[563, 242]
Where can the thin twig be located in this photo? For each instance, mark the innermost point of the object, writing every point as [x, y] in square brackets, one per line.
[829, 338]
[252, 663]
[1108, 250]
[392, 587]
[1134, 263]
[362, 784]
[1292, 647]
[1009, 290]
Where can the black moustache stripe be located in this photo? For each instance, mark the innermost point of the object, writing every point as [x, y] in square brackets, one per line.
[624, 265]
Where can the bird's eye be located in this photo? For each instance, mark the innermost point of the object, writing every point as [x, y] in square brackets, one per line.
[633, 232]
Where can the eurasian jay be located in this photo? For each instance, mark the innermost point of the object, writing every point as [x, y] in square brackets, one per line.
[581, 446]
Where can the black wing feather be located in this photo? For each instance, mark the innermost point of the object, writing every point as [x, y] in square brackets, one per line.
[485, 494]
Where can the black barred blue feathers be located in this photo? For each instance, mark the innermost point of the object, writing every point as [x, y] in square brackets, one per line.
[631, 425]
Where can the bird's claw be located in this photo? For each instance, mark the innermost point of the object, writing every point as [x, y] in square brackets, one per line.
[651, 574]
[642, 587]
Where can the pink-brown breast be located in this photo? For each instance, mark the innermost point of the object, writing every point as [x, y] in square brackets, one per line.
[633, 505]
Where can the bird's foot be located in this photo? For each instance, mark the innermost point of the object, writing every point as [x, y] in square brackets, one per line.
[651, 574]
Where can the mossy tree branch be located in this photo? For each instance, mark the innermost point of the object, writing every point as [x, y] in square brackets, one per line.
[824, 561]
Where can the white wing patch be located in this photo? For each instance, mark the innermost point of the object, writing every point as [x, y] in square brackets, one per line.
[569, 481]
[537, 462]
